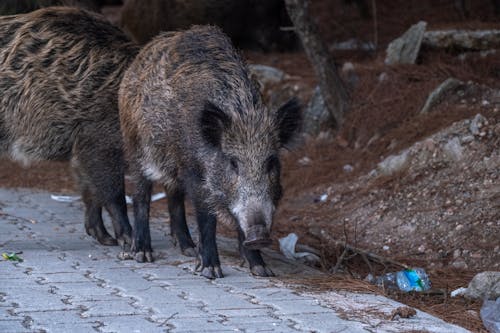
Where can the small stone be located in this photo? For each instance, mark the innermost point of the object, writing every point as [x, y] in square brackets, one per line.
[383, 77]
[459, 227]
[394, 163]
[347, 67]
[267, 74]
[348, 168]
[476, 124]
[453, 149]
[305, 161]
[385, 248]
[459, 263]
[467, 139]
[421, 249]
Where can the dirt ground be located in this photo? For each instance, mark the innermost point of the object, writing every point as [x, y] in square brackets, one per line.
[441, 211]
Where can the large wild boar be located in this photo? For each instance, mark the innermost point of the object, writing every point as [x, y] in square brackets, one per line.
[193, 120]
[60, 69]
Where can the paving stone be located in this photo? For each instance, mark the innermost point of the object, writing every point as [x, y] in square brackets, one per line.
[130, 324]
[327, 322]
[12, 326]
[69, 283]
[117, 307]
[204, 324]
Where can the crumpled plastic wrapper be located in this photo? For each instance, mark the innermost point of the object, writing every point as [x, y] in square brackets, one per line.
[287, 247]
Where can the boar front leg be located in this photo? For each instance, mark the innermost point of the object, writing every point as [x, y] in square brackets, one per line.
[208, 256]
[253, 257]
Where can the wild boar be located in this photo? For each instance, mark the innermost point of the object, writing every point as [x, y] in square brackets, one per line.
[193, 120]
[60, 69]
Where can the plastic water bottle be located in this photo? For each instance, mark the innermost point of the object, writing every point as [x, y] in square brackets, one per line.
[415, 279]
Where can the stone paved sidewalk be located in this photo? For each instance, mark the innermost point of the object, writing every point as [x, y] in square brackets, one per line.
[69, 283]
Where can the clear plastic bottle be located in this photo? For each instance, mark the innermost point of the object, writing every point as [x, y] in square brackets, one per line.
[415, 279]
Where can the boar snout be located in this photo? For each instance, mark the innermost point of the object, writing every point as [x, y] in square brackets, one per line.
[257, 237]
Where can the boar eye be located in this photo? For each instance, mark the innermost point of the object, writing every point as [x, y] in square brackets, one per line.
[234, 164]
[272, 164]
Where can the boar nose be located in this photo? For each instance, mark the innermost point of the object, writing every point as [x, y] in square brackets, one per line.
[257, 237]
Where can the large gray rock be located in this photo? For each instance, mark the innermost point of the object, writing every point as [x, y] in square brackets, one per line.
[437, 95]
[462, 39]
[316, 115]
[404, 50]
[484, 285]
[267, 74]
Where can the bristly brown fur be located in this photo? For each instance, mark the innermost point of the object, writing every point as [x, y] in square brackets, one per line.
[60, 69]
[193, 119]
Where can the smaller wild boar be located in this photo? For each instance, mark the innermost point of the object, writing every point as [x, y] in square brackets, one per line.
[193, 120]
[60, 69]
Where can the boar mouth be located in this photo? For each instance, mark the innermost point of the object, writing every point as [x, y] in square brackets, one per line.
[257, 244]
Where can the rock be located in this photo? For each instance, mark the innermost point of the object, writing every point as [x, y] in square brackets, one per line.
[484, 285]
[351, 76]
[267, 74]
[305, 161]
[394, 164]
[404, 50]
[352, 44]
[316, 115]
[476, 124]
[437, 95]
[383, 77]
[453, 149]
[459, 263]
[348, 168]
[462, 39]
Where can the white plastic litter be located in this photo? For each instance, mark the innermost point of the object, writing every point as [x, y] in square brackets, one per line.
[287, 247]
[158, 196]
[458, 292]
[65, 198]
[128, 200]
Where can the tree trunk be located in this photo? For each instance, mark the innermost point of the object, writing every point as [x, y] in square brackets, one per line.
[331, 86]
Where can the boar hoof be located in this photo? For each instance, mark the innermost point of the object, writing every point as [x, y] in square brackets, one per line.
[189, 252]
[102, 236]
[143, 256]
[125, 255]
[212, 272]
[260, 270]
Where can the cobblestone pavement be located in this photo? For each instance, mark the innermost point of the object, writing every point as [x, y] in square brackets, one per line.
[69, 283]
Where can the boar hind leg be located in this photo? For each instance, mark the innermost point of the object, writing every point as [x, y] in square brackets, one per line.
[94, 225]
[208, 257]
[178, 226]
[141, 244]
[100, 173]
[254, 258]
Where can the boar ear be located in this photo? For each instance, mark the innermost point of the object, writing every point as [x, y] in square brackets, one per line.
[289, 120]
[213, 122]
